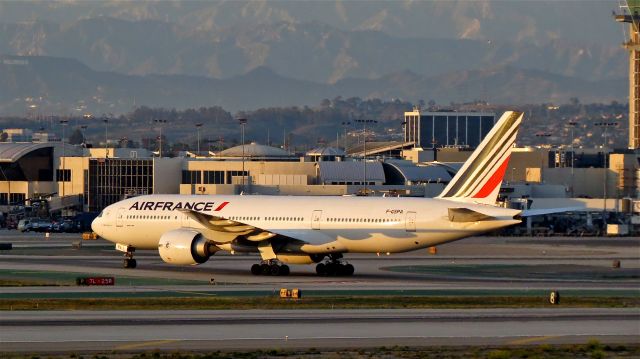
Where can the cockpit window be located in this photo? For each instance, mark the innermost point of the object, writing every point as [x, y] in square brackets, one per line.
[100, 215]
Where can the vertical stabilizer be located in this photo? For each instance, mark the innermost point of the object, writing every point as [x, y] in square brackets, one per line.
[480, 177]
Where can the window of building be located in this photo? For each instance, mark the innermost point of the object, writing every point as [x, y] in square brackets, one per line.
[213, 177]
[191, 177]
[17, 198]
[63, 175]
[4, 198]
[110, 180]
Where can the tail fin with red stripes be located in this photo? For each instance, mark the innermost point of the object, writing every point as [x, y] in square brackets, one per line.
[479, 179]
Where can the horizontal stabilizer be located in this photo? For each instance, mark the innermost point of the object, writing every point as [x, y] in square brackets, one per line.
[467, 215]
[543, 211]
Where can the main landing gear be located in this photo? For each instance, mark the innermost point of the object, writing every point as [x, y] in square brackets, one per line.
[270, 267]
[334, 267]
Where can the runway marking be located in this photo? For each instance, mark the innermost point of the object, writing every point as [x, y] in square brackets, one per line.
[145, 344]
[531, 340]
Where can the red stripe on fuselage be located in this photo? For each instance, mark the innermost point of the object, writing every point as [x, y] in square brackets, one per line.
[221, 206]
[494, 181]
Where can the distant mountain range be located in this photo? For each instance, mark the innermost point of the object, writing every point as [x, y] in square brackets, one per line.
[58, 85]
[112, 55]
[308, 51]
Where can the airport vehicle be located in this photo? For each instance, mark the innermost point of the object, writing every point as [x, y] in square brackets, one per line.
[189, 229]
[66, 225]
[24, 225]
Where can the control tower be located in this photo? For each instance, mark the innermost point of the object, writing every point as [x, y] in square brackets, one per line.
[629, 13]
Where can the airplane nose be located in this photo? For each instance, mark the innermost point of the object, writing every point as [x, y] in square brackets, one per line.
[96, 226]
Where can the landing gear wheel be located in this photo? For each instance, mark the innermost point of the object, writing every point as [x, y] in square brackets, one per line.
[321, 269]
[256, 269]
[284, 270]
[349, 269]
[265, 269]
[335, 267]
[275, 270]
[129, 263]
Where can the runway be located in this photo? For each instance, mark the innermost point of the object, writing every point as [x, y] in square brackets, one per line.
[484, 266]
[477, 263]
[214, 330]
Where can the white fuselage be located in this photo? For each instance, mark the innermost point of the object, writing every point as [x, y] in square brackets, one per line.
[322, 224]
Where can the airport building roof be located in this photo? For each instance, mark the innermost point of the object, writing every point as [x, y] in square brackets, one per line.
[326, 151]
[350, 171]
[254, 150]
[405, 172]
[13, 151]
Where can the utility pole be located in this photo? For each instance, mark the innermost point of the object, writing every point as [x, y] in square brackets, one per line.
[106, 125]
[198, 125]
[160, 122]
[243, 122]
[63, 173]
[605, 125]
[84, 138]
[364, 156]
[572, 124]
[345, 124]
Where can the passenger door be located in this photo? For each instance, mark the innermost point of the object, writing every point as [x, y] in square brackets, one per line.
[316, 217]
[410, 222]
[119, 216]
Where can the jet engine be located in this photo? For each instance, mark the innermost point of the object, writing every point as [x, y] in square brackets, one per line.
[185, 247]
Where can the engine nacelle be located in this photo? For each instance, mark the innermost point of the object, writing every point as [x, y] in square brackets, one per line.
[185, 247]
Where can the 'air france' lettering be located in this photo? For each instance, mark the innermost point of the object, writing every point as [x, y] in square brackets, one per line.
[172, 206]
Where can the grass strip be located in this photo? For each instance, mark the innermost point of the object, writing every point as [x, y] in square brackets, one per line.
[590, 349]
[337, 302]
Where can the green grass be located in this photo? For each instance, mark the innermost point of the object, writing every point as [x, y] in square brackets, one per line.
[337, 302]
[590, 349]
[26, 277]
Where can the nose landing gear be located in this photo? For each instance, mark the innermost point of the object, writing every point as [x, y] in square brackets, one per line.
[129, 262]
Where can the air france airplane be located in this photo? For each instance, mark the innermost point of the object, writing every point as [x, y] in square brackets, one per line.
[189, 229]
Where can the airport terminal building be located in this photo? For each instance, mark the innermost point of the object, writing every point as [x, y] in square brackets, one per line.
[75, 179]
[447, 129]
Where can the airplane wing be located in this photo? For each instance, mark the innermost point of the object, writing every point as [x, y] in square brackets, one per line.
[227, 230]
[224, 230]
[543, 211]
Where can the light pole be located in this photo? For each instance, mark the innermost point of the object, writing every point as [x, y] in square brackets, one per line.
[542, 134]
[364, 156]
[106, 126]
[160, 122]
[83, 130]
[198, 125]
[572, 124]
[345, 124]
[64, 125]
[604, 126]
[243, 122]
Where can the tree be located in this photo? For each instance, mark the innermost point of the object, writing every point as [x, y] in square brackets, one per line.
[76, 137]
